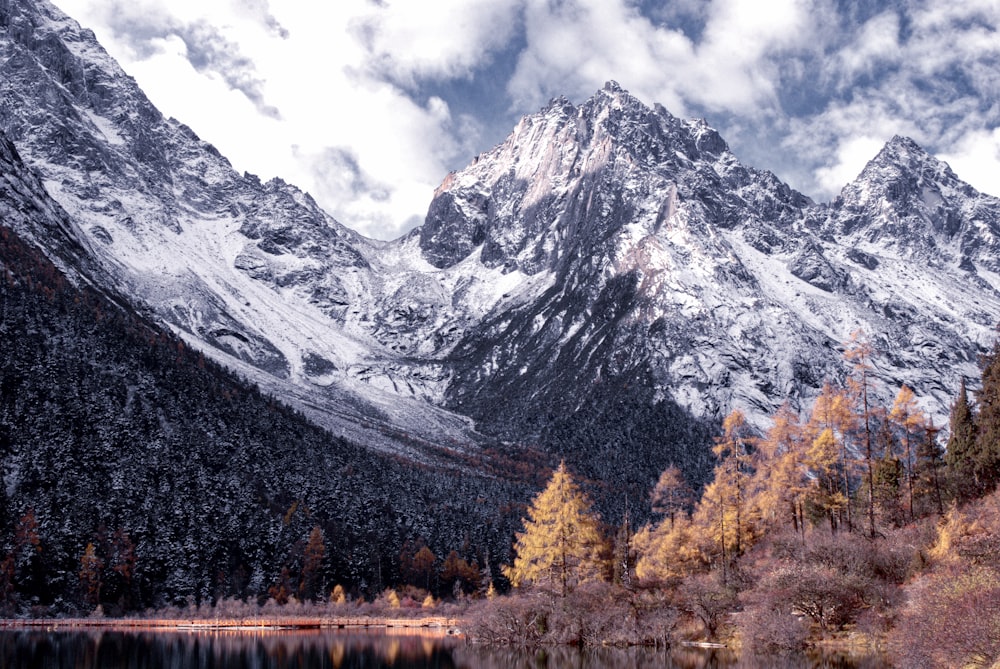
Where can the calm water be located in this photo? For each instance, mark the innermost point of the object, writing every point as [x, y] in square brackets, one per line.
[343, 650]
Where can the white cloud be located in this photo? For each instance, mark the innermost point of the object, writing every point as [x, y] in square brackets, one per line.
[852, 154]
[408, 41]
[876, 45]
[976, 159]
[296, 90]
[347, 99]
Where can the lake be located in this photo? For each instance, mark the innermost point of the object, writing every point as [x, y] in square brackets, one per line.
[288, 649]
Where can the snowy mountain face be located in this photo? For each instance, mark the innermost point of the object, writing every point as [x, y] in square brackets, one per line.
[709, 284]
[253, 273]
[605, 283]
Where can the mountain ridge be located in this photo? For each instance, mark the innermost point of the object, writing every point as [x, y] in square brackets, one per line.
[608, 277]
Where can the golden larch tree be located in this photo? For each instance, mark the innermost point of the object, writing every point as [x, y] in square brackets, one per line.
[561, 543]
[671, 493]
[910, 421]
[780, 480]
[830, 423]
[859, 353]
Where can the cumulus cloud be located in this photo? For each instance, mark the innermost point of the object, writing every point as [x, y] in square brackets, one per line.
[924, 70]
[148, 30]
[407, 42]
[380, 98]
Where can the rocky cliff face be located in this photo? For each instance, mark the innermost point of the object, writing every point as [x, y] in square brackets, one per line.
[607, 282]
[253, 273]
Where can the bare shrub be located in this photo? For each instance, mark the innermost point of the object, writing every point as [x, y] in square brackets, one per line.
[517, 620]
[707, 599]
[770, 627]
[595, 614]
[951, 620]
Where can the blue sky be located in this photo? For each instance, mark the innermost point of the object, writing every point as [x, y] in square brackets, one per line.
[367, 104]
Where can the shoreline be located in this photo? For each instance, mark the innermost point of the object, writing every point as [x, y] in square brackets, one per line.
[438, 625]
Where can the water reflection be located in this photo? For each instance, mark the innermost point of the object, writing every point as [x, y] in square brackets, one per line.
[350, 650]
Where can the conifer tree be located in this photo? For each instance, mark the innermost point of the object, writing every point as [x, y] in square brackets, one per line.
[987, 451]
[780, 479]
[823, 492]
[828, 454]
[560, 546]
[90, 575]
[927, 469]
[723, 506]
[312, 564]
[671, 493]
[960, 454]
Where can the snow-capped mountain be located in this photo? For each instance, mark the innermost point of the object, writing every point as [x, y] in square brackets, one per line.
[605, 282]
[717, 284]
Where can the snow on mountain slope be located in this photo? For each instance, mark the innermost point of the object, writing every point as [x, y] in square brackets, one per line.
[253, 273]
[733, 290]
[605, 281]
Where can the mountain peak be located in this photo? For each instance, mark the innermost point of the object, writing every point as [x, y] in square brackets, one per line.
[900, 167]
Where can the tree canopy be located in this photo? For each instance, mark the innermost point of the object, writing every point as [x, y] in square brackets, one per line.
[561, 544]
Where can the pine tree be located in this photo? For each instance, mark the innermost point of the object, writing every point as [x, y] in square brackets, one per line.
[987, 451]
[960, 454]
[561, 543]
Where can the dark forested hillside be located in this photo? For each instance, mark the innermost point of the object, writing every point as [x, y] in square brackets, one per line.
[184, 481]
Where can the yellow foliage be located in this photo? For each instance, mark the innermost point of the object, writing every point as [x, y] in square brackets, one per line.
[561, 542]
[668, 551]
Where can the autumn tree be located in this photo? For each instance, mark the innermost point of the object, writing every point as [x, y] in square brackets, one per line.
[457, 573]
[859, 354]
[312, 564]
[561, 544]
[780, 480]
[909, 421]
[423, 567]
[732, 476]
[827, 454]
[720, 517]
[671, 493]
[90, 575]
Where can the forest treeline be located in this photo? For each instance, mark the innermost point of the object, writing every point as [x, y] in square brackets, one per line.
[136, 473]
[850, 519]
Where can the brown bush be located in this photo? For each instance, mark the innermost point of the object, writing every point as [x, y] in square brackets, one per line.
[951, 620]
[707, 599]
[770, 627]
[596, 614]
